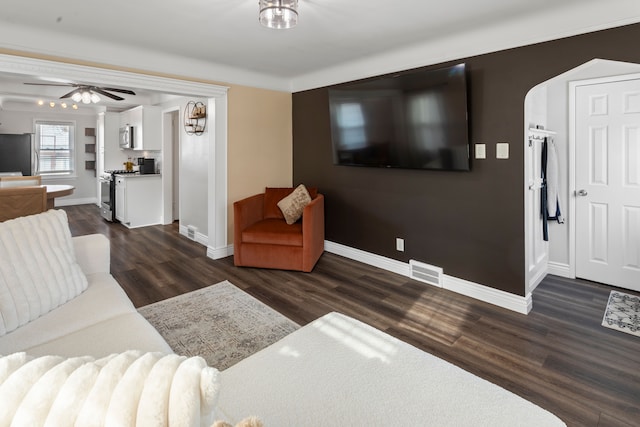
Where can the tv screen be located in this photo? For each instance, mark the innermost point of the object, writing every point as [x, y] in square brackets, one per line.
[416, 120]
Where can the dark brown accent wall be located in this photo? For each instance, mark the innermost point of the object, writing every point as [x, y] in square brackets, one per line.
[469, 223]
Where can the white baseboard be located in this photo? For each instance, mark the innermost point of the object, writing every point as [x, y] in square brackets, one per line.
[535, 280]
[218, 253]
[560, 269]
[72, 202]
[480, 292]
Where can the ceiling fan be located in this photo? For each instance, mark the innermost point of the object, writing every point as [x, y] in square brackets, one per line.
[87, 93]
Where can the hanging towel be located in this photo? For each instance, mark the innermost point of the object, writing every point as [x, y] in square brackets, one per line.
[553, 206]
[543, 193]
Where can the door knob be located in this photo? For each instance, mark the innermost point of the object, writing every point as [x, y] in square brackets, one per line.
[582, 192]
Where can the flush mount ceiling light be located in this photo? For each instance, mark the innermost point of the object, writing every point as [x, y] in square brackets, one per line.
[278, 14]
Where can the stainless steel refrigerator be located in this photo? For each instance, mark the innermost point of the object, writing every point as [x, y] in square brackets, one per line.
[16, 154]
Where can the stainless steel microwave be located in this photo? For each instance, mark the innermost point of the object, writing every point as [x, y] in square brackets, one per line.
[126, 137]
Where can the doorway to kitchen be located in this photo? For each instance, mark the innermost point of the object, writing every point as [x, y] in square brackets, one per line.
[216, 96]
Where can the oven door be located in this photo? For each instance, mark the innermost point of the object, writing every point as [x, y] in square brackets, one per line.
[106, 200]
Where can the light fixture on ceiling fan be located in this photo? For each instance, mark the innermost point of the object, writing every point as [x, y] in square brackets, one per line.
[88, 94]
[278, 14]
[86, 97]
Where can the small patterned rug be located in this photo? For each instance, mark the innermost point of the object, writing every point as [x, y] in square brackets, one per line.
[623, 313]
[220, 323]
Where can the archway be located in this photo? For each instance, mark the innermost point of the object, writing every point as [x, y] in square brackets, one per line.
[548, 105]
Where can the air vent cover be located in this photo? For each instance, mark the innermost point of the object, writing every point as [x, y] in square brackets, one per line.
[191, 232]
[425, 273]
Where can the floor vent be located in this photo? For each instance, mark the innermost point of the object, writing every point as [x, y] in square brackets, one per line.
[191, 232]
[425, 273]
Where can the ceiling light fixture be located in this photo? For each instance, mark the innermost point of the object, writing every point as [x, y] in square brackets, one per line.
[278, 14]
[52, 104]
[85, 96]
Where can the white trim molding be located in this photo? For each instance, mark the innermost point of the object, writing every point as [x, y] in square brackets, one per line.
[221, 252]
[560, 269]
[517, 303]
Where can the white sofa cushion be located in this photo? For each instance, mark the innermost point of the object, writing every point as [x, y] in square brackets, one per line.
[337, 371]
[103, 299]
[38, 268]
[127, 389]
[120, 333]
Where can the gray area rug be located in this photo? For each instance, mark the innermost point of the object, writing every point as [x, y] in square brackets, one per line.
[623, 313]
[221, 323]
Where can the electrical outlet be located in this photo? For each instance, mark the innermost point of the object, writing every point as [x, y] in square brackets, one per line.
[399, 244]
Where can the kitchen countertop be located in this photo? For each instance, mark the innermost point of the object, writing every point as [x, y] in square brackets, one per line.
[137, 175]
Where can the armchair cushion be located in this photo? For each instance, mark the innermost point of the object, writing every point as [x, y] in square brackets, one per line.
[273, 232]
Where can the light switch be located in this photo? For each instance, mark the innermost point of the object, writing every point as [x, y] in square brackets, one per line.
[481, 151]
[502, 150]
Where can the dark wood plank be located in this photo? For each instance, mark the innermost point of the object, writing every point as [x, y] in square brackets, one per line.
[558, 356]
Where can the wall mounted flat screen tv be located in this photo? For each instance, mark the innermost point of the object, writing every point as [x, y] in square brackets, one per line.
[415, 120]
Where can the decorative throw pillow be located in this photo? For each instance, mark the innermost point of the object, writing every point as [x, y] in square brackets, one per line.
[293, 205]
[130, 388]
[272, 195]
[38, 268]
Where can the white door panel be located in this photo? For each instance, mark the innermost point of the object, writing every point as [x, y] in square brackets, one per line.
[608, 183]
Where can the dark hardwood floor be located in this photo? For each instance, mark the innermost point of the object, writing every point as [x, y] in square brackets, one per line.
[558, 356]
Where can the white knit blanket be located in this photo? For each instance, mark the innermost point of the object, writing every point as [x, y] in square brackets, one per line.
[127, 389]
[38, 268]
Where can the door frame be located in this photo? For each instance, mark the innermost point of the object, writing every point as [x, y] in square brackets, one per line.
[169, 160]
[573, 89]
[216, 94]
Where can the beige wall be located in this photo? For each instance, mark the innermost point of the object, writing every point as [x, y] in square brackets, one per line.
[260, 147]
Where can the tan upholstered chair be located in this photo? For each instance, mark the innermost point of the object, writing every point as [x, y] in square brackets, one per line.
[19, 181]
[22, 201]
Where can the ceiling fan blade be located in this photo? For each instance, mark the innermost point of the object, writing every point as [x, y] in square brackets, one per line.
[70, 94]
[50, 84]
[107, 94]
[112, 89]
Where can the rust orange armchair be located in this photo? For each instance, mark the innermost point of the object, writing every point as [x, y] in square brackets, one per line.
[262, 238]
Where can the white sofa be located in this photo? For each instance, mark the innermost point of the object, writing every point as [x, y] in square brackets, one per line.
[335, 371]
[100, 321]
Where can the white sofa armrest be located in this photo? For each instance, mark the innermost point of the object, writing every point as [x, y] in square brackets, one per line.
[92, 253]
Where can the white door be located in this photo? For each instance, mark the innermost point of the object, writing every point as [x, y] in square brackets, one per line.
[608, 183]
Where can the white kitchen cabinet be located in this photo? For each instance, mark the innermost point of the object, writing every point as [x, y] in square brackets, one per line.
[139, 200]
[120, 199]
[146, 122]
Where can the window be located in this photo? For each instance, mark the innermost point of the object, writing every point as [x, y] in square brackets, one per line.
[54, 144]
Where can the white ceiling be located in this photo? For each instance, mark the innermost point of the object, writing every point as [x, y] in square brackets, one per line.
[335, 40]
